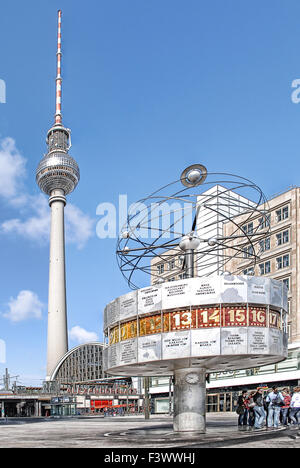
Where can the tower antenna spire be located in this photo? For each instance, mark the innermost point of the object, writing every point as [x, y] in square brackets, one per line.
[58, 115]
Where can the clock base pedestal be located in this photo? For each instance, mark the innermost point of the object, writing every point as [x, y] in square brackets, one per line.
[189, 400]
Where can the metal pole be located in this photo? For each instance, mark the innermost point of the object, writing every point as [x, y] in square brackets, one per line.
[146, 402]
[189, 258]
[127, 397]
[170, 395]
[6, 378]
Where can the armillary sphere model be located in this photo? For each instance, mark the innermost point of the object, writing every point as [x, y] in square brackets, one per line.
[197, 240]
[163, 226]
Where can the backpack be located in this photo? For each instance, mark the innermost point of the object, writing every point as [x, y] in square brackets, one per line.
[266, 403]
[240, 410]
[278, 401]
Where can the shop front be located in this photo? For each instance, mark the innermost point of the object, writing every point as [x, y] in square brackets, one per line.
[63, 406]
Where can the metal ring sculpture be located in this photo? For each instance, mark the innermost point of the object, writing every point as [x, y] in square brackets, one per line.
[193, 210]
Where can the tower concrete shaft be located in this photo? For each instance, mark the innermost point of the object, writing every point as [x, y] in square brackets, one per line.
[57, 304]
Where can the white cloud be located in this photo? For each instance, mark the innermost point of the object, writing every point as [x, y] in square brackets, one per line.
[36, 227]
[33, 220]
[26, 306]
[12, 169]
[79, 226]
[80, 335]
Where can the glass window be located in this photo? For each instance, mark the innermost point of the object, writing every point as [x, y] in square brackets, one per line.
[264, 244]
[283, 262]
[279, 263]
[285, 212]
[265, 268]
[248, 271]
[283, 237]
[286, 281]
[278, 215]
[282, 214]
[248, 228]
[286, 261]
[264, 222]
[248, 251]
[279, 238]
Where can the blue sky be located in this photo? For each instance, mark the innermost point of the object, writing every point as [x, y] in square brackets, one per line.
[149, 87]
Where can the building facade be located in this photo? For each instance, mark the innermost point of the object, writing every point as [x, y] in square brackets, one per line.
[277, 256]
[278, 253]
[214, 207]
[80, 364]
[82, 386]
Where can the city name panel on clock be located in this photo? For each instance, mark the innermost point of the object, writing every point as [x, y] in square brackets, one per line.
[217, 322]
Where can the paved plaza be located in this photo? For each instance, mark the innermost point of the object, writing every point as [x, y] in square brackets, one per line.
[134, 432]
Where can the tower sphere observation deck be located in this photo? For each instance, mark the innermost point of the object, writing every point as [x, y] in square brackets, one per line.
[57, 169]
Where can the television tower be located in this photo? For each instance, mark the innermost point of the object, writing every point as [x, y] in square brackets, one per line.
[57, 175]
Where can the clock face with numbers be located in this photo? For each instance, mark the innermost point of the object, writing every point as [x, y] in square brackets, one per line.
[192, 378]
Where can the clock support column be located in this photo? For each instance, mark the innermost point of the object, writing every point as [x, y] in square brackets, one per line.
[189, 400]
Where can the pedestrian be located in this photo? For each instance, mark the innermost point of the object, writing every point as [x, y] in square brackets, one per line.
[295, 406]
[258, 409]
[242, 410]
[286, 408]
[250, 405]
[266, 405]
[276, 401]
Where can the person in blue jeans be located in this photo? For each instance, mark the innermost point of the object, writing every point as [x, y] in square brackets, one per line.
[259, 411]
[295, 407]
[286, 408]
[275, 400]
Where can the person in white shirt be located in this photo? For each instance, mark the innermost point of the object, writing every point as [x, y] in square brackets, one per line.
[295, 406]
[275, 400]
